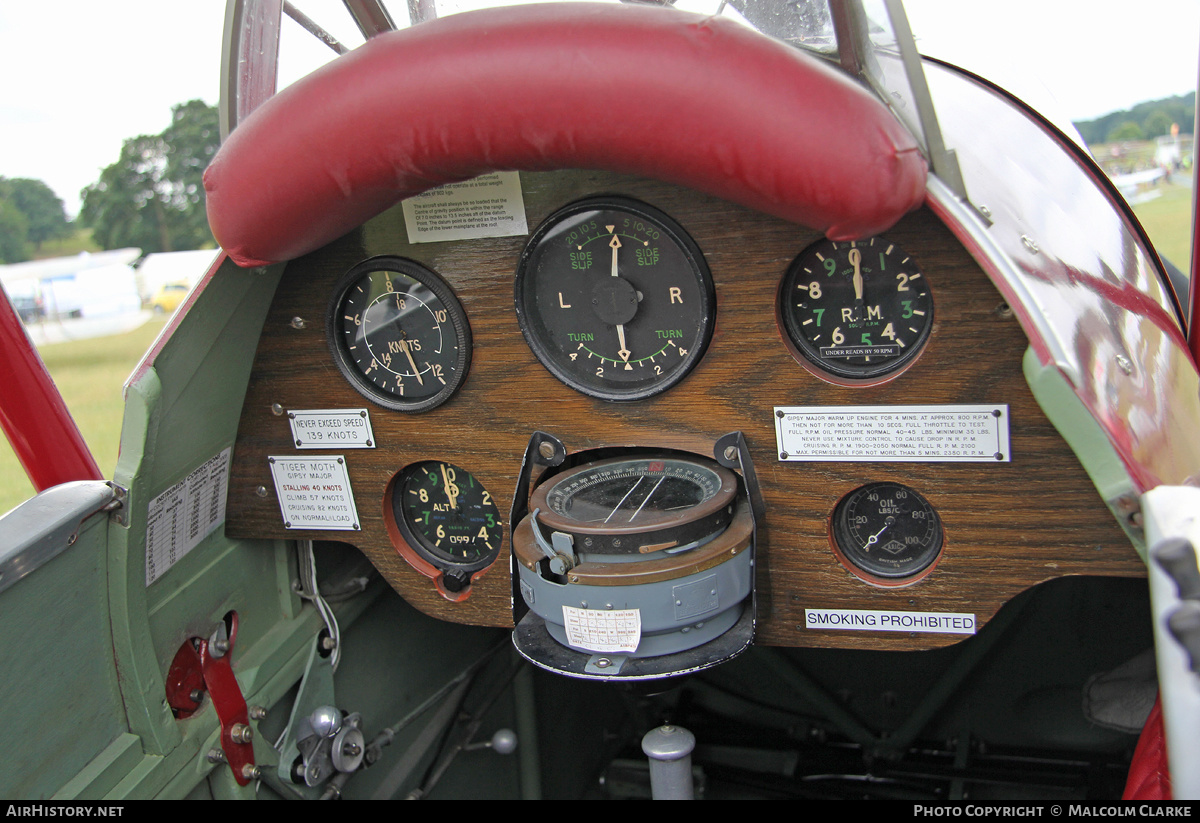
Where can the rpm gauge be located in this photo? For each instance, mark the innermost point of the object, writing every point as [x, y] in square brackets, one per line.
[399, 335]
[859, 310]
[615, 299]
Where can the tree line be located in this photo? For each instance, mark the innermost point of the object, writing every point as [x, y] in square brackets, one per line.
[1145, 121]
[151, 198]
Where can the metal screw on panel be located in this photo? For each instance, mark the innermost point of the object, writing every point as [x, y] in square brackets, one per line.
[258, 712]
[241, 733]
[1004, 311]
[1124, 364]
[1030, 244]
[261, 491]
[297, 322]
[546, 450]
[276, 409]
[603, 663]
[731, 452]
[985, 211]
[251, 772]
[216, 756]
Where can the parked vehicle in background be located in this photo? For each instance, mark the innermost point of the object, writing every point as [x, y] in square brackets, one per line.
[29, 307]
[168, 297]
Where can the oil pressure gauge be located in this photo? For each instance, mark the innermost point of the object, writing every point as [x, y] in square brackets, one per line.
[888, 531]
[856, 311]
[614, 298]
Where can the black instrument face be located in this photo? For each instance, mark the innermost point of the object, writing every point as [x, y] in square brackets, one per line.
[447, 517]
[887, 530]
[859, 310]
[399, 335]
[615, 299]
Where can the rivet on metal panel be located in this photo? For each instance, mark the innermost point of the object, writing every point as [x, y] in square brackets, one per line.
[1030, 244]
[297, 322]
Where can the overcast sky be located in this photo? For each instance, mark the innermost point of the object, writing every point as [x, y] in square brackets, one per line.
[81, 76]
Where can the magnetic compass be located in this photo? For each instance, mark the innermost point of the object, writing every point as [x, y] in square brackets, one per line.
[638, 505]
[858, 310]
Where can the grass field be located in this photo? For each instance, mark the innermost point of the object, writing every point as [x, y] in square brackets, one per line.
[90, 374]
[1168, 221]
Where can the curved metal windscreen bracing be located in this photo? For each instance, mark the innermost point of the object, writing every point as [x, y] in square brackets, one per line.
[692, 100]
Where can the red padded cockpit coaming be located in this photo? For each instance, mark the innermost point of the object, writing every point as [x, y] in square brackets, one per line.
[697, 101]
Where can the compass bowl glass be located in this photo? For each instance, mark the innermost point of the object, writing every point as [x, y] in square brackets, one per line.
[638, 504]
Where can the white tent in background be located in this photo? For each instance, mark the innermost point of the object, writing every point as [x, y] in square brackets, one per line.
[88, 284]
[172, 267]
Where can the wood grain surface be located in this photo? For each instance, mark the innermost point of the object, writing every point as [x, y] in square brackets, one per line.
[1008, 526]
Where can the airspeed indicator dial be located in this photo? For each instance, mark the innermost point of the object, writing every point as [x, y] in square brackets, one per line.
[399, 335]
[858, 310]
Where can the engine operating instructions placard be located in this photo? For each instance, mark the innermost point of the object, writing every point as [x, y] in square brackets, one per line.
[913, 434]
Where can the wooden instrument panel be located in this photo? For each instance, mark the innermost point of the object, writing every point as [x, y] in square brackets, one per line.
[1008, 525]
